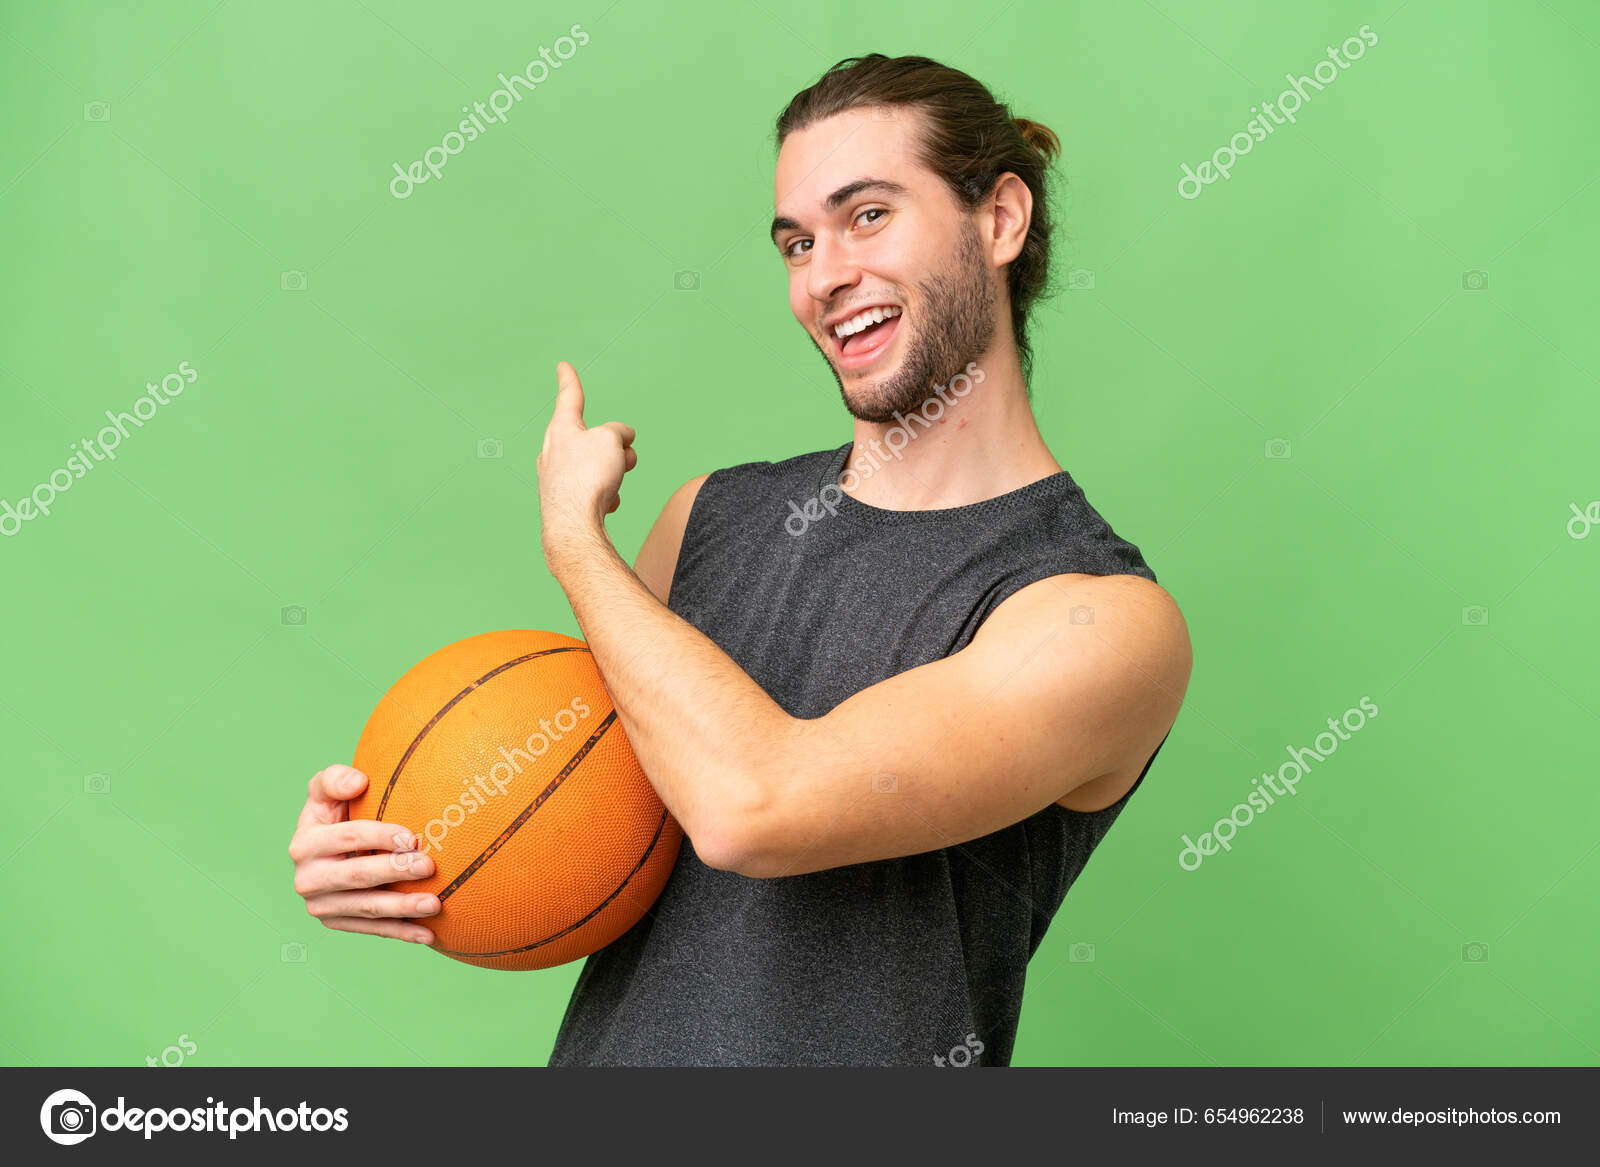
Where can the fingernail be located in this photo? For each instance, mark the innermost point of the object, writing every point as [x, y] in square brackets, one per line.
[421, 864]
[404, 841]
[427, 905]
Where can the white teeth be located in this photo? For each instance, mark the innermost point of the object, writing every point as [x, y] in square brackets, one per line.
[859, 321]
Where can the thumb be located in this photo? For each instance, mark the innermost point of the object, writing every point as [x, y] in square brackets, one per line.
[569, 395]
[329, 790]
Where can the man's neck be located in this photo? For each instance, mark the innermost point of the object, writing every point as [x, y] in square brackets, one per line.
[974, 441]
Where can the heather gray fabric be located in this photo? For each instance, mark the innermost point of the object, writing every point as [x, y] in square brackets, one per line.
[892, 962]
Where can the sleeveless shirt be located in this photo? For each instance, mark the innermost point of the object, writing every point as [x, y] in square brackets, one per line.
[917, 960]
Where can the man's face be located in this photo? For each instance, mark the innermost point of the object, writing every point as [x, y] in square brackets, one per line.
[862, 225]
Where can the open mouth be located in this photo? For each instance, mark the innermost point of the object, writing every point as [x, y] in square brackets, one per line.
[867, 334]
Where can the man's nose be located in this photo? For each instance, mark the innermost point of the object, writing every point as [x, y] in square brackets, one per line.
[830, 272]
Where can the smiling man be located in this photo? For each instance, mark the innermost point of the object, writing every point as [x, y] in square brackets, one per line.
[894, 730]
[892, 734]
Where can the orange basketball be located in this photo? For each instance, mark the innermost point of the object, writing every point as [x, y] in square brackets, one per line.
[502, 752]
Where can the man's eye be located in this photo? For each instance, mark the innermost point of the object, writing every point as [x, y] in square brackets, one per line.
[872, 211]
[788, 250]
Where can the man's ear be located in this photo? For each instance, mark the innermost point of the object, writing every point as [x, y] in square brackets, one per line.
[1010, 214]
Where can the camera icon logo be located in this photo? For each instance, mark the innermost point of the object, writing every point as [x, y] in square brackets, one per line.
[1475, 615]
[490, 449]
[68, 1117]
[1081, 953]
[96, 784]
[292, 281]
[97, 111]
[294, 616]
[1277, 447]
[292, 953]
[1080, 279]
[1080, 614]
[1474, 280]
[686, 280]
[689, 955]
[885, 784]
[1475, 952]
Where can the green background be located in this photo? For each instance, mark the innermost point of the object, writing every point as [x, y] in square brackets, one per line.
[328, 458]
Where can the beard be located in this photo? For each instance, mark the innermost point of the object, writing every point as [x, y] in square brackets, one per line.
[953, 325]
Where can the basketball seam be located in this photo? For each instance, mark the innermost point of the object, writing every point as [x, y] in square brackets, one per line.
[570, 928]
[450, 704]
[527, 812]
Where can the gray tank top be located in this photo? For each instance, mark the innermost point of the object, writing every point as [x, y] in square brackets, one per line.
[912, 961]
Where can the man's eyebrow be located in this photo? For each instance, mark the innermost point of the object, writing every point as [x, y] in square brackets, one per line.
[848, 191]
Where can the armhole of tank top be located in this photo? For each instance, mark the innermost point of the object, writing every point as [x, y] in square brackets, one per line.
[1037, 570]
[696, 508]
[1044, 569]
[1150, 761]
[1127, 794]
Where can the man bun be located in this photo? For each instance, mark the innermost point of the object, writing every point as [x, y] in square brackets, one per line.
[1039, 137]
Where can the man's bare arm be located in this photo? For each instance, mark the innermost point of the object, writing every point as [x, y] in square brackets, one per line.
[1034, 708]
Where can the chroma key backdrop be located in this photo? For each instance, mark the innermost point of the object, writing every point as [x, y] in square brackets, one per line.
[284, 290]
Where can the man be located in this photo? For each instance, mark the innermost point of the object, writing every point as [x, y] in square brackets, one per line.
[896, 692]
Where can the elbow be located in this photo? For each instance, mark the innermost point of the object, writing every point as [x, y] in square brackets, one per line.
[722, 851]
[737, 834]
[741, 858]
[750, 864]
[741, 826]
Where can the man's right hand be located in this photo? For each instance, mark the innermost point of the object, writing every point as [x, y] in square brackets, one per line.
[336, 884]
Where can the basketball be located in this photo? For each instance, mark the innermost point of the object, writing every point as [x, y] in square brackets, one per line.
[504, 755]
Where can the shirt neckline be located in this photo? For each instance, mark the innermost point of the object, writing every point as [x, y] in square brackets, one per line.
[1047, 487]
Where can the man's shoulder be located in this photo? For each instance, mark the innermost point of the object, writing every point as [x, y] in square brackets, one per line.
[1130, 608]
[1124, 636]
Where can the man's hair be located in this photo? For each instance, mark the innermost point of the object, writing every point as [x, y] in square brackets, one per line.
[969, 140]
